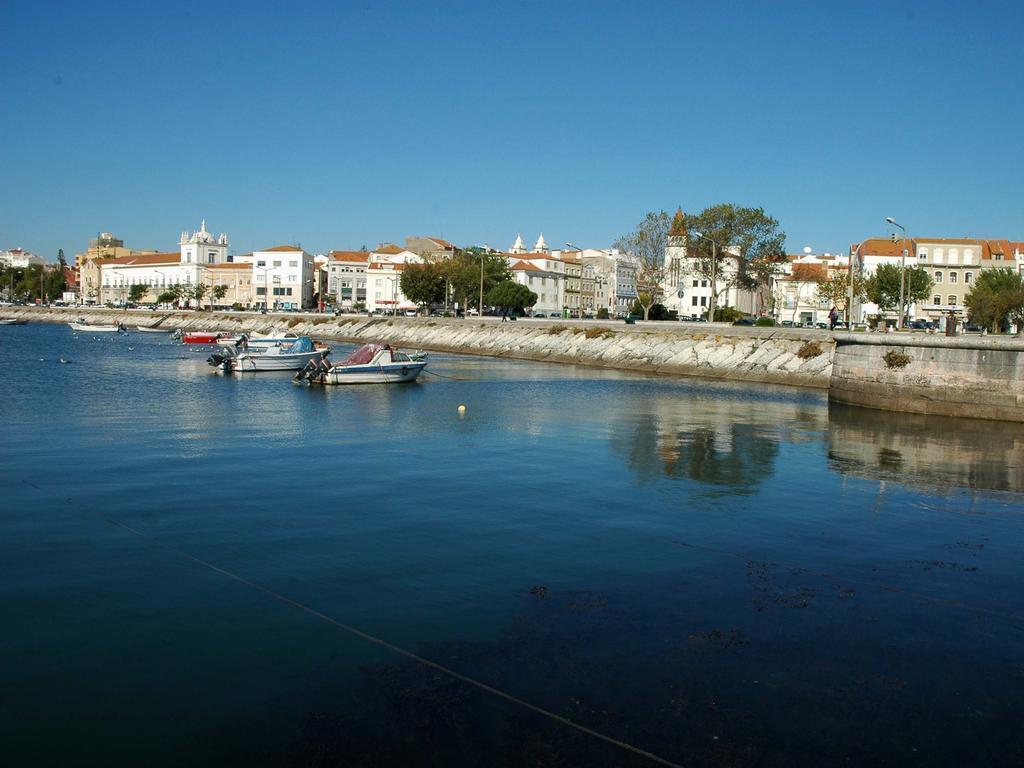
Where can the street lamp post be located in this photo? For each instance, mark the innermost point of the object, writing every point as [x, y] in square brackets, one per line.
[903, 268]
[714, 275]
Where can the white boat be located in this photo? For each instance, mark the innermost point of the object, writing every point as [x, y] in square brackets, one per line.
[150, 329]
[10, 321]
[290, 355]
[231, 340]
[87, 328]
[370, 364]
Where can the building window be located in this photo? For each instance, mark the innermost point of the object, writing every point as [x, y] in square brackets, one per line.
[260, 291]
[293, 263]
[952, 277]
[936, 300]
[952, 300]
[968, 255]
[703, 301]
[696, 283]
[922, 255]
[703, 283]
[968, 276]
[938, 277]
[261, 263]
[693, 301]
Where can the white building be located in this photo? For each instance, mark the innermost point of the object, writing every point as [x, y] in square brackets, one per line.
[160, 271]
[282, 276]
[19, 258]
[615, 278]
[346, 277]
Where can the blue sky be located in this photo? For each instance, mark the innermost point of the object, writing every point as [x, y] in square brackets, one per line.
[342, 124]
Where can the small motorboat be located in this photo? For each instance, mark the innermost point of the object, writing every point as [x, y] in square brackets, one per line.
[199, 337]
[85, 327]
[286, 355]
[152, 329]
[8, 321]
[370, 364]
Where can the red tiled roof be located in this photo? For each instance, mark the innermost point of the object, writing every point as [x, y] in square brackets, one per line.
[442, 243]
[523, 266]
[141, 260]
[388, 248]
[289, 248]
[360, 256]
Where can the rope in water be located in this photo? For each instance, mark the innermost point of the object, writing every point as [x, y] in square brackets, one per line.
[391, 646]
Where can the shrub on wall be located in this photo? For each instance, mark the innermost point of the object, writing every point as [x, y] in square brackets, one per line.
[894, 359]
[808, 350]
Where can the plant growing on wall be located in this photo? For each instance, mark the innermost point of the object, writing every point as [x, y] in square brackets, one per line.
[894, 359]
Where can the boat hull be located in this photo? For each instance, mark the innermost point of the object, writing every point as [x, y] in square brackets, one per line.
[247, 363]
[199, 338]
[93, 328]
[393, 373]
[147, 329]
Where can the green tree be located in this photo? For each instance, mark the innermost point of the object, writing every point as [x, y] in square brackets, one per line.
[509, 295]
[136, 292]
[645, 248]
[219, 292]
[172, 295]
[996, 299]
[424, 283]
[883, 287]
[753, 246]
[463, 271]
[198, 291]
[836, 290]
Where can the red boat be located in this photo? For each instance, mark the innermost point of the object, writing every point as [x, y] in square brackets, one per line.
[200, 338]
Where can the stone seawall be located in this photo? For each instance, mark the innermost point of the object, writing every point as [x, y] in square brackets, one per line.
[769, 355]
[977, 377]
[972, 376]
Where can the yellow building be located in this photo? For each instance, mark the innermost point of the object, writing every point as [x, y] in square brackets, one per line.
[236, 277]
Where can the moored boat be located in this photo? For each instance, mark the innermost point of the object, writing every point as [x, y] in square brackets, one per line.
[11, 321]
[199, 337]
[370, 364]
[152, 329]
[84, 327]
[289, 355]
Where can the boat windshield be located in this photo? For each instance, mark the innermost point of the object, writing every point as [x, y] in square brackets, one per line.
[364, 354]
[301, 344]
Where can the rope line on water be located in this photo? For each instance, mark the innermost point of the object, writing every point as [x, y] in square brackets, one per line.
[392, 647]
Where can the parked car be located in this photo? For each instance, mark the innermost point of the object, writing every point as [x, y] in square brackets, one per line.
[921, 325]
[744, 321]
[972, 328]
[788, 324]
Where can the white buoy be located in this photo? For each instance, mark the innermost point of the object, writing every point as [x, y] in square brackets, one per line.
[462, 409]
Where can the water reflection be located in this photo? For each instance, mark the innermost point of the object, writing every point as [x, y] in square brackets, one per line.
[718, 436]
[931, 451]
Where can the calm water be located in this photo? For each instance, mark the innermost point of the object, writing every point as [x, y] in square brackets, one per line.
[719, 574]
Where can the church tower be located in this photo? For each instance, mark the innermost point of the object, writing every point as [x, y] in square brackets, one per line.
[202, 248]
